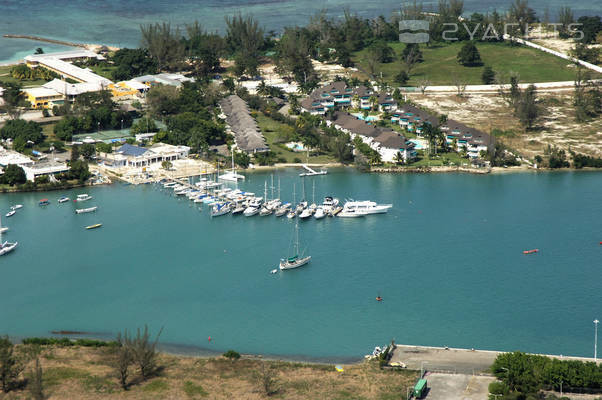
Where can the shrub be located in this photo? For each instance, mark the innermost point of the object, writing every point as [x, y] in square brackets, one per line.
[232, 355]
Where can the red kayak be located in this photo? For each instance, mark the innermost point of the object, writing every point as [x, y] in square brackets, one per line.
[530, 251]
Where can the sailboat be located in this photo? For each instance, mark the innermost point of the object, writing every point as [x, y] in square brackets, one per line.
[6, 247]
[232, 176]
[296, 260]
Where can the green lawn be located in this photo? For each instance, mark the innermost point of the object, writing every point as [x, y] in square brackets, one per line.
[451, 158]
[441, 67]
[105, 70]
[5, 77]
[277, 133]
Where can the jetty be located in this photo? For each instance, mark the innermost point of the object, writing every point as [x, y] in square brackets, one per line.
[46, 40]
[311, 172]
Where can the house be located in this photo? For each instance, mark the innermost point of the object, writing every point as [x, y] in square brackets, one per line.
[136, 156]
[240, 124]
[131, 88]
[466, 138]
[339, 94]
[176, 80]
[386, 142]
[390, 143]
[44, 169]
[42, 97]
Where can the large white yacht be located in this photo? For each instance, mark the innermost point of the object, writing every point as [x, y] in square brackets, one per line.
[365, 207]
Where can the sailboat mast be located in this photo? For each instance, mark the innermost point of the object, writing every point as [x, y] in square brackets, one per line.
[272, 187]
[265, 191]
[278, 187]
[313, 193]
[296, 237]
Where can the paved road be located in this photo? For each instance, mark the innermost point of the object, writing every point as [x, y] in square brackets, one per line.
[457, 387]
[439, 359]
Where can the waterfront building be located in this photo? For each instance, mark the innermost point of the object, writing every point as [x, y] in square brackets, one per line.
[46, 168]
[134, 156]
[386, 142]
[341, 95]
[131, 88]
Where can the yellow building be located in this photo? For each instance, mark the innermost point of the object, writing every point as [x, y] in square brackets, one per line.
[42, 97]
[127, 88]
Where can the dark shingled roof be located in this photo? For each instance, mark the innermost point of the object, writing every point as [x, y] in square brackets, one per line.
[130, 150]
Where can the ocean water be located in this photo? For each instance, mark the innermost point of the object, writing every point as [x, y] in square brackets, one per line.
[116, 22]
[447, 259]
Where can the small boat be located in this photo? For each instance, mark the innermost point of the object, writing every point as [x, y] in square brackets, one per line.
[44, 202]
[93, 226]
[83, 197]
[305, 214]
[296, 260]
[220, 209]
[366, 207]
[17, 206]
[265, 211]
[319, 214]
[6, 247]
[250, 211]
[273, 271]
[86, 210]
[238, 209]
[2, 228]
[283, 209]
[378, 298]
[11, 213]
[531, 251]
[64, 199]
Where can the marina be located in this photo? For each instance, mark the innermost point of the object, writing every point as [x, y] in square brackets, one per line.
[198, 276]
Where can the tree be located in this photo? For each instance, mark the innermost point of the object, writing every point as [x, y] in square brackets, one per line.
[267, 379]
[469, 55]
[19, 128]
[528, 110]
[590, 26]
[162, 100]
[565, 19]
[166, 165]
[587, 98]
[131, 63]
[124, 357]
[488, 76]
[242, 159]
[402, 78]
[382, 51]
[410, 56]
[163, 44]
[399, 158]
[13, 175]
[39, 50]
[11, 365]
[88, 151]
[14, 99]
[144, 352]
[36, 383]
[294, 55]
[581, 51]
[204, 49]
[79, 170]
[245, 39]
[232, 355]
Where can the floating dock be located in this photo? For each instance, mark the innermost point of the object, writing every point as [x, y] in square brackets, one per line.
[311, 172]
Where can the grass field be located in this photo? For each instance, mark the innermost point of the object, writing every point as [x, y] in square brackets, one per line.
[5, 77]
[277, 133]
[87, 373]
[441, 67]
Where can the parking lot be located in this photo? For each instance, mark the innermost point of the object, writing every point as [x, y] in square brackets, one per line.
[457, 386]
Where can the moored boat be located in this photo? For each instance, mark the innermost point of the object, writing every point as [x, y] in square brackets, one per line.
[296, 260]
[11, 213]
[44, 202]
[86, 210]
[93, 226]
[83, 197]
[63, 199]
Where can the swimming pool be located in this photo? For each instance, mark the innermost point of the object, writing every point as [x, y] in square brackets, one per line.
[368, 118]
[420, 144]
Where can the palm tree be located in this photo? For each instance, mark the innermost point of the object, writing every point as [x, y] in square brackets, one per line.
[399, 158]
[373, 102]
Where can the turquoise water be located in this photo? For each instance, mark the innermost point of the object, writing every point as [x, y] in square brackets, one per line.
[368, 118]
[116, 22]
[447, 260]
